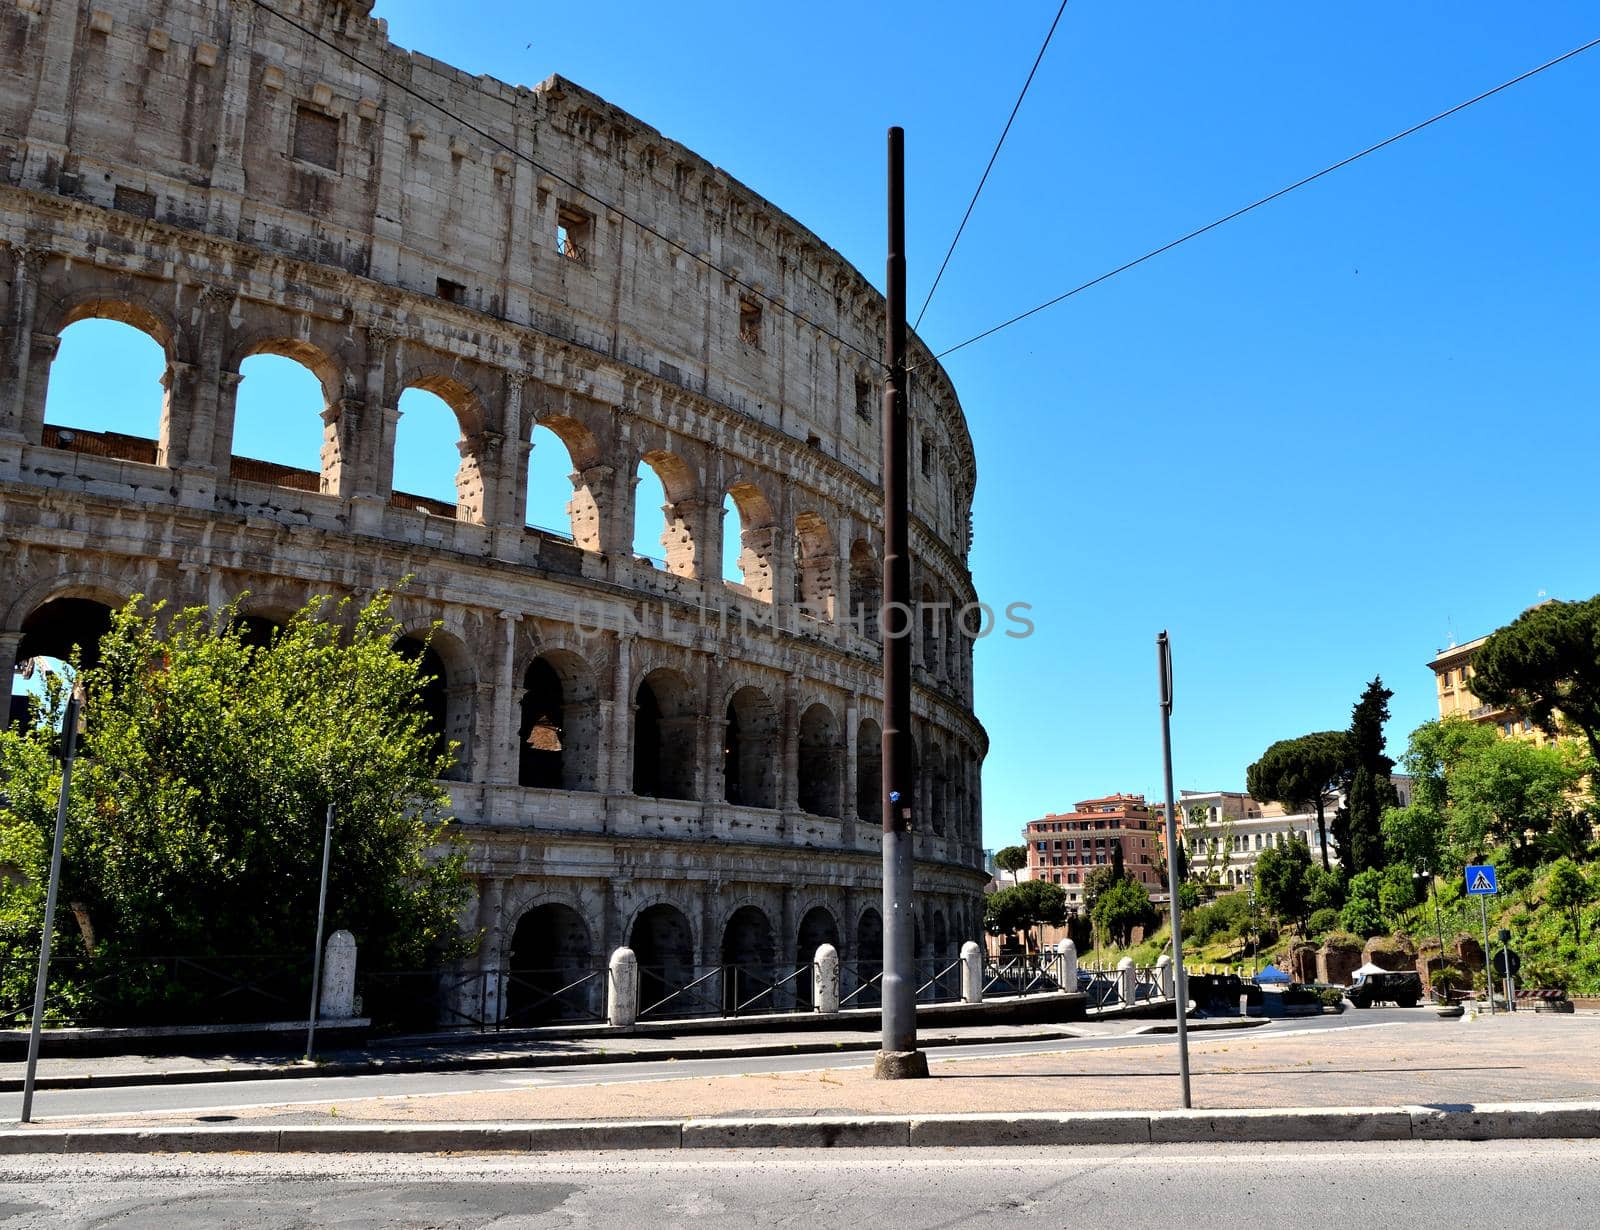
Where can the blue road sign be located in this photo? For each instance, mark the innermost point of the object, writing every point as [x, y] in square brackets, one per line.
[1481, 881]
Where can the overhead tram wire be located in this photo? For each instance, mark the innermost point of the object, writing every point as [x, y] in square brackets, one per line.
[984, 178]
[1239, 213]
[379, 73]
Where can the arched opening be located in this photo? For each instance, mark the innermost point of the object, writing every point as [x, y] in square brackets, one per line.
[664, 945]
[869, 771]
[819, 761]
[955, 798]
[52, 635]
[434, 699]
[558, 738]
[750, 750]
[550, 951]
[814, 582]
[748, 539]
[869, 960]
[941, 935]
[664, 728]
[107, 391]
[866, 588]
[551, 495]
[747, 962]
[816, 929]
[936, 800]
[279, 435]
[665, 539]
[434, 470]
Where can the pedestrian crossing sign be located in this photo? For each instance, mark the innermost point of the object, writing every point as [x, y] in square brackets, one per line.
[1481, 881]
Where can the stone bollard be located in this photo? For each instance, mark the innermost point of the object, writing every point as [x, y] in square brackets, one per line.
[1164, 973]
[1069, 966]
[337, 999]
[971, 973]
[825, 979]
[1126, 980]
[622, 993]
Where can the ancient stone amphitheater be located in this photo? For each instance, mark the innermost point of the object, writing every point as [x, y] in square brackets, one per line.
[648, 754]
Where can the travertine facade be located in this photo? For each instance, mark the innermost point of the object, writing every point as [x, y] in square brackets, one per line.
[648, 755]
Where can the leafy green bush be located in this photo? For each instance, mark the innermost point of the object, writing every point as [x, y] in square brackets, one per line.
[1332, 997]
[1322, 921]
[1517, 880]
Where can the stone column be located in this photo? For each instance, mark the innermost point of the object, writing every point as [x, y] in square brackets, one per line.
[971, 973]
[504, 758]
[10, 642]
[370, 453]
[507, 511]
[27, 362]
[789, 745]
[227, 167]
[787, 948]
[341, 446]
[622, 717]
[225, 412]
[44, 147]
[336, 998]
[685, 520]
[1127, 981]
[715, 733]
[491, 958]
[622, 994]
[708, 534]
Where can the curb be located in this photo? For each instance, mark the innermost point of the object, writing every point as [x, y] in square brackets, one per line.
[1509, 1121]
[481, 1063]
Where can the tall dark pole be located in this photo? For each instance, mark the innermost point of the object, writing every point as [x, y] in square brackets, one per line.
[898, 1056]
[1180, 979]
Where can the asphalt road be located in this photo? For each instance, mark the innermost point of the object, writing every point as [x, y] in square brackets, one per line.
[1308, 1187]
[221, 1097]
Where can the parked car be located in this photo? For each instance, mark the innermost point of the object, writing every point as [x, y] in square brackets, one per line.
[1401, 987]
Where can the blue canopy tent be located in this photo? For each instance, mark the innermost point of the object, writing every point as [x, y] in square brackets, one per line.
[1273, 976]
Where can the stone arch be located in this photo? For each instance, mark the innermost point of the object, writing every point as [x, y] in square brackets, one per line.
[61, 625]
[257, 432]
[955, 797]
[550, 950]
[750, 749]
[559, 732]
[935, 796]
[748, 955]
[89, 360]
[866, 588]
[757, 537]
[96, 586]
[815, 568]
[869, 959]
[679, 539]
[465, 404]
[663, 941]
[119, 303]
[448, 695]
[818, 926]
[869, 771]
[665, 726]
[581, 479]
[820, 769]
[941, 934]
[928, 617]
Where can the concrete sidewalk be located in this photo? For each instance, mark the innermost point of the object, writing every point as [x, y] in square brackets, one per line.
[547, 1049]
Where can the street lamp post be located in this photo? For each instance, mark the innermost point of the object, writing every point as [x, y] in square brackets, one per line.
[69, 749]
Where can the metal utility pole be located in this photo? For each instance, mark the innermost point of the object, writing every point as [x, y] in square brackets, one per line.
[1488, 965]
[1180, 980]
[898, 1056]
[69, 749]
[316, 956]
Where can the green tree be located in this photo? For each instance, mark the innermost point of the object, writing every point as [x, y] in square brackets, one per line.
[1283, 880]
[1022, 907]
[1510, 791]
[1359, 826]
[1095, 882]
[196, 815]
[1568, 890]
[1397, 891]
[1303, 772]
[1118, 872]
[1324, 889]
[1569, 836]
[1546, 664]
[1189, 895]
[1363, 907]
[1012, 859]
[1122, 907]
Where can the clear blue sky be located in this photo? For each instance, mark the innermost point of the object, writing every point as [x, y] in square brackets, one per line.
[1313, 444]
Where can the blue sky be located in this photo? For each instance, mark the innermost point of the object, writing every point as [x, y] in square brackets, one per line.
[1314, 444]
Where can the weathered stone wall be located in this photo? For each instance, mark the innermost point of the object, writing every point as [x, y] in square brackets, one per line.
[232, 186]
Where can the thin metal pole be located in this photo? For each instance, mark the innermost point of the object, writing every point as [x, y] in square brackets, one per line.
[899, 1056]
[1488, 965]
[1180, 980]
[69, 750]
[316, 956]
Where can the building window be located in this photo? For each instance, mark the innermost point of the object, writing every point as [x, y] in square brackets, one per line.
[1071, 844]
[927, 459]
[450, 292]
[1072, 877]
[132, 201]
[750, 322]
[316, 138]
[863, 399]
[574, 234]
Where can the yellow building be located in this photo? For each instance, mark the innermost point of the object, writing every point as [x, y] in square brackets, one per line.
[1452, 671]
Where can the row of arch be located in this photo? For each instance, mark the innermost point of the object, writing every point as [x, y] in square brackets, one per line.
[436, 452]
[561, 726]
[552, 953]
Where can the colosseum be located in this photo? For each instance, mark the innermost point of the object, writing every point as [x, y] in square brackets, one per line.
[648, 752]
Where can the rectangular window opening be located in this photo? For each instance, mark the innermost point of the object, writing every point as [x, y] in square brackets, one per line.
[574, 234]
[863, 398]
[750, 322]
[316, 138]
[450, 292]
